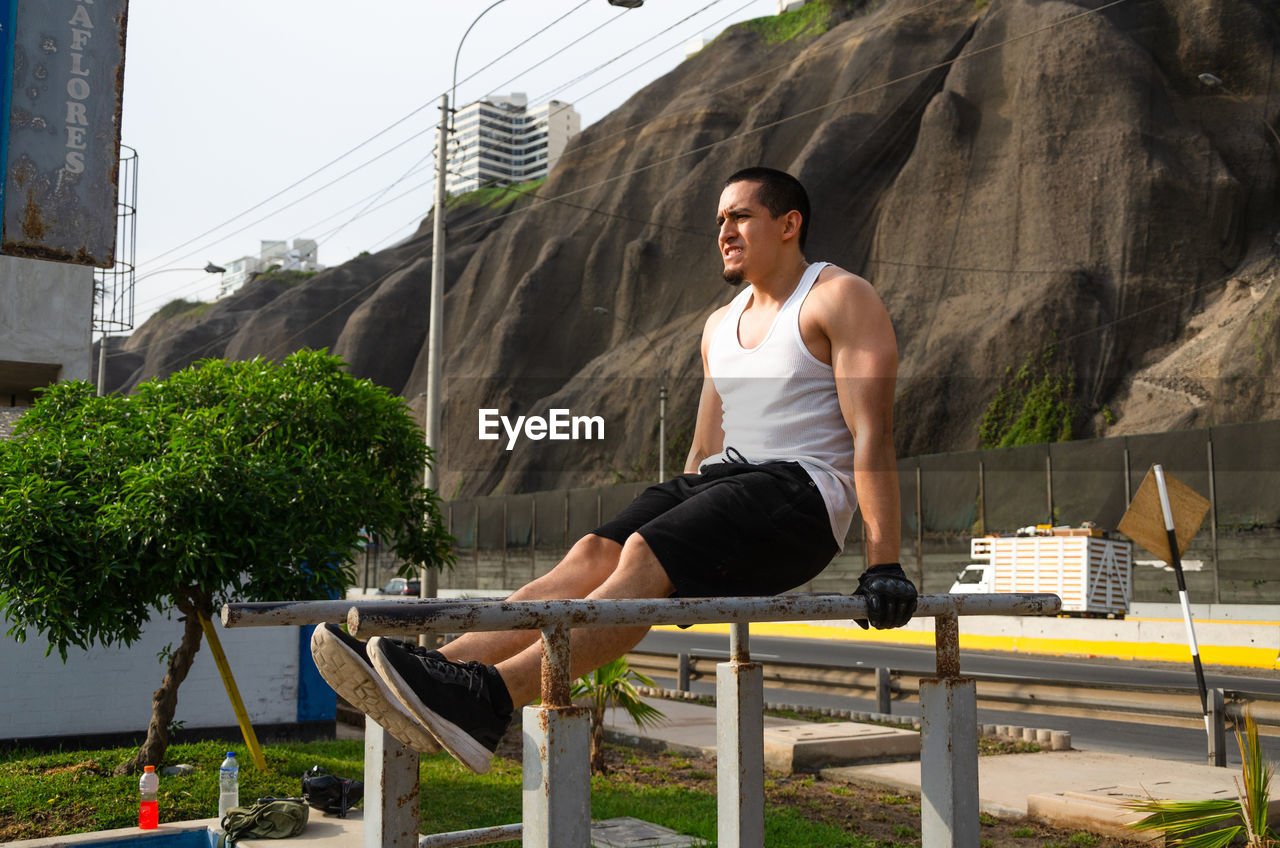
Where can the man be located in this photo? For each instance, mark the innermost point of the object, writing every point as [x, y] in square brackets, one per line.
[796, 415]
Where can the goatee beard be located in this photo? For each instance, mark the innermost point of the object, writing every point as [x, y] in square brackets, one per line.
[733, 278]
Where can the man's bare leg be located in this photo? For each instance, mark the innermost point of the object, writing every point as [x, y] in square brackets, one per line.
[588, 564]
[638, 575]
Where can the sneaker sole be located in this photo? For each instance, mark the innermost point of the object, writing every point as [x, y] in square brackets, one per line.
[353, 679]
[464, 748]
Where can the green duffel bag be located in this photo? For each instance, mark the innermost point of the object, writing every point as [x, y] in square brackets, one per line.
[269, 818]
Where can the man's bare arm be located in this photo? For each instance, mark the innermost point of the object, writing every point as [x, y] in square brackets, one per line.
[708, 428]
[864, 357]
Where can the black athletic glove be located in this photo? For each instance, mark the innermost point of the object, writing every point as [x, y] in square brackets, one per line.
[891, 597]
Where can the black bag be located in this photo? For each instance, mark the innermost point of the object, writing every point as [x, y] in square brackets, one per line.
[270, 818]
[330, 794]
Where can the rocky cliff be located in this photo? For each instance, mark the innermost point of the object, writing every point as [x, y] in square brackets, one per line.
[1025, 181]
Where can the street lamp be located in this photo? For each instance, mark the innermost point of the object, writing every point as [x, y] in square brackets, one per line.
[102, 342]
[435, 327]
[662, 393]
[1212, 81]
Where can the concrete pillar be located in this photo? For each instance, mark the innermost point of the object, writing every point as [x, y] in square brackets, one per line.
[390, 790]
[948, 763]
[740, 754]
[557, 777]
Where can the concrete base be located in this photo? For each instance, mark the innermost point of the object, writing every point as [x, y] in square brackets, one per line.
[1103, 810]
[627, 832]
[809, 746]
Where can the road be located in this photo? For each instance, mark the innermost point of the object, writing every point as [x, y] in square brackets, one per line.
[1185, 744]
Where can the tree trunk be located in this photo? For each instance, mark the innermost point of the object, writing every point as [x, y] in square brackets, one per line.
[164, 703]
[597, 740]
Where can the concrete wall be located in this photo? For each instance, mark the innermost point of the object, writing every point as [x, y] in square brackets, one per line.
[108, 690]
[46, 310]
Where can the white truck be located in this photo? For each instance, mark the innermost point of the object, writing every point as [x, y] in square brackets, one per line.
[1092, 575]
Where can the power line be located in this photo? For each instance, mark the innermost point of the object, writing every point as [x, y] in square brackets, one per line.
[359, 146]
[561, 198]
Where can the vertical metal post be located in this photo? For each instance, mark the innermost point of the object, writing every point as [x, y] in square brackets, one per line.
[390, 790]
[1128, 486]
[1048, 483]
[948, 748]
[919, 528]
[982, 496]
[884, 691]
[1218, 736]
[682, 672]
[1213, 521]
[740, 746]
[557, 740]
[662, 431]
[429, 577]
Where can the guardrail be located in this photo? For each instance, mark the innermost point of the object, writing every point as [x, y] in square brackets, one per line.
[1142, 703]
[556, 769]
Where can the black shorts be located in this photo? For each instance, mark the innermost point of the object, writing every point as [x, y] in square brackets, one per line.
[735, 529]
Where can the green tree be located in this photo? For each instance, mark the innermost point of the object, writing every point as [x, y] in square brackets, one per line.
[227, 480]
[613, 684]
[1189, 823]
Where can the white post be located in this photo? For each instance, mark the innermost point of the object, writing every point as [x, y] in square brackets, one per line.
[948, 763]
[557, 756]
[390, 790]
[740, 747]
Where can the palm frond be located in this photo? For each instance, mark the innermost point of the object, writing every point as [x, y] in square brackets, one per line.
[1174, 817]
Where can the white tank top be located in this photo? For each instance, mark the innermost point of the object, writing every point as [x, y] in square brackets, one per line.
[780, 402]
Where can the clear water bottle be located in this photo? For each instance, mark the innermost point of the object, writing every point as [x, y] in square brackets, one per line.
[228, 785]
[149, 805]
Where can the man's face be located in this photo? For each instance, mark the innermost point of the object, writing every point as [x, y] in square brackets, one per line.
[749, 236]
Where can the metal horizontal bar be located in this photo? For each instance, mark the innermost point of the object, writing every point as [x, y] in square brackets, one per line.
[281, 613]
[374, 619]
[995, 691]
[479, 836]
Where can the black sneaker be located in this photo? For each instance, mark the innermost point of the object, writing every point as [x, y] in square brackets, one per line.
[466, 706]
[343, 662]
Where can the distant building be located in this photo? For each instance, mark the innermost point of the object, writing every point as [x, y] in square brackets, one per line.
[789, 5]
[501, 140]
[46, 312]
[694, 45]
[301, 257]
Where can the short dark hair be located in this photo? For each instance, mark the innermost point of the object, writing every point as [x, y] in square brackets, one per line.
[779, 192]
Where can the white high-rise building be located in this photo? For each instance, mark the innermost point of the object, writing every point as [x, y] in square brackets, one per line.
[501, 140]
[300, 257]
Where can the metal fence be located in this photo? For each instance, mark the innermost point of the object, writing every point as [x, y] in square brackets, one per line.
[557, 777]
[506, 540]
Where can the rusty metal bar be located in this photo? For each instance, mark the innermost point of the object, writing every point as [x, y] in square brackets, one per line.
[373, 618]
[556, 681]
[947, 644]
[479, 836]
[740, 642]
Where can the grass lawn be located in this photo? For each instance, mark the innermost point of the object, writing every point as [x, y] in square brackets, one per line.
[53, 794]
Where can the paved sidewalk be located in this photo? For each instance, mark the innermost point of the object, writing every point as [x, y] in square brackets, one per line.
[1081, 789]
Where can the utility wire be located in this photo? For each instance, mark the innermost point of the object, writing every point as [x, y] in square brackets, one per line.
[561, 198]
[359, 146]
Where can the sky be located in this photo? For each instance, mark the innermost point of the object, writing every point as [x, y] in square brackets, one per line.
[238, 110]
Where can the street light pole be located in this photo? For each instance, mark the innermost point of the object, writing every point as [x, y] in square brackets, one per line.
[662, 394]
[428, 584]
[429, 578]
[1212, 81]
[102, 340]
